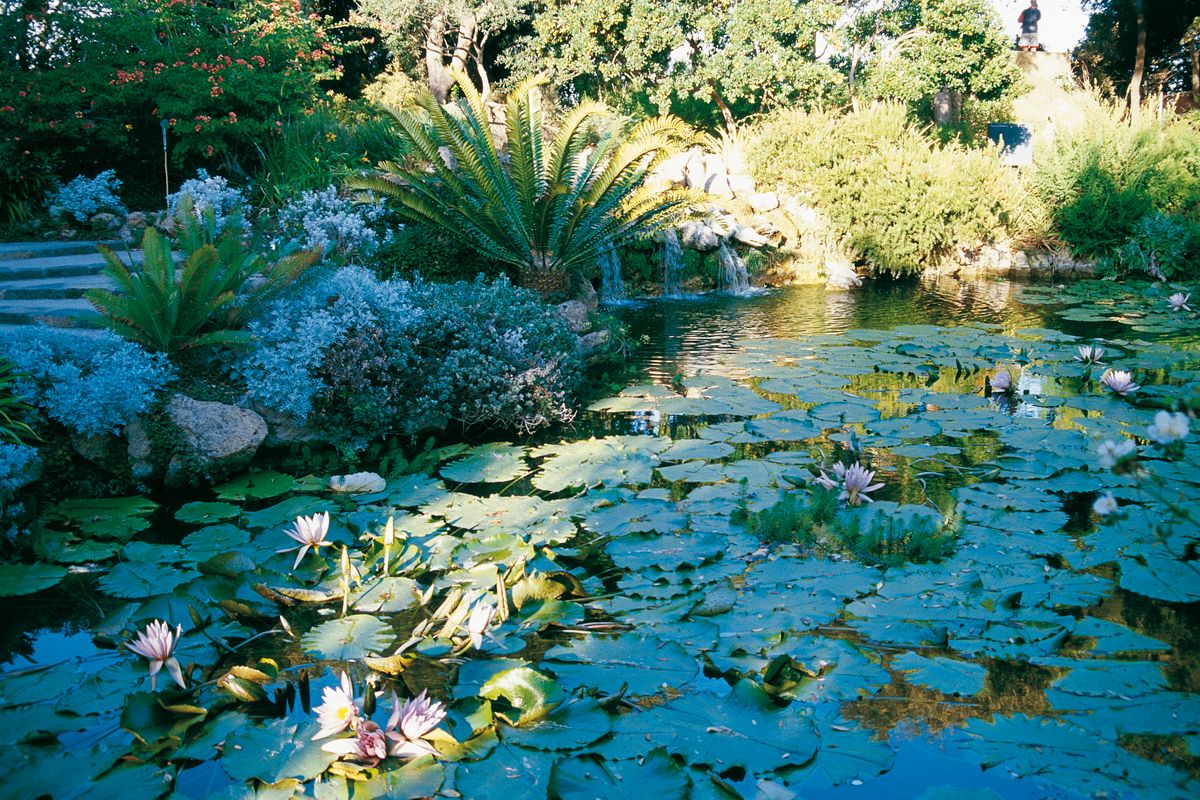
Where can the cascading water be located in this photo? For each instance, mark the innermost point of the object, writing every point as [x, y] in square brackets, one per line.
[612, 288]
[672, 258]
[731, 272]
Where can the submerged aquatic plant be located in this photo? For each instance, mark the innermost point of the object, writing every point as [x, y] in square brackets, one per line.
[410, 723]
[310, 532]
[1179, 302]
[339, 709]
[157, 643]
[1119, 381]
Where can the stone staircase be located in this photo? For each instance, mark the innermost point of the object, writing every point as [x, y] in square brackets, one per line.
[42, 283]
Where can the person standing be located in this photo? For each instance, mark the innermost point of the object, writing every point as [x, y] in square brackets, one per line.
[1029, 27]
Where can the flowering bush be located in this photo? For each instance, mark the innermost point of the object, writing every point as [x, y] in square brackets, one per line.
[331, 222]
[209, 193]
[90, 384]
[83, 197]
[362, 358]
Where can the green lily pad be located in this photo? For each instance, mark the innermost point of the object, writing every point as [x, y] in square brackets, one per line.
[349, 638]
[19, 579]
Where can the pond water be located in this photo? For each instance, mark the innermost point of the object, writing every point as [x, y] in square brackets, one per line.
[688, 612]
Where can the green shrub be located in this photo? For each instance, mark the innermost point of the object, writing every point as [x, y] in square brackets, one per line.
[14, 411]
[427, 251]
[1108, 185]
[900, 199]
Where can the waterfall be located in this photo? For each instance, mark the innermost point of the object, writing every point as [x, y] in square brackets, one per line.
[731, 274]
[612, 288]
[672, 258]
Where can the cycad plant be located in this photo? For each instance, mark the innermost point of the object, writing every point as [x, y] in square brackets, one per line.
[545, 207]
[204, 300]
[14, 411]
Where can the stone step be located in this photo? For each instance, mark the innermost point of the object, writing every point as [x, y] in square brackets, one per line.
[67, 313]
[58, 266]
[9, 329]
[53, 288]
[13, 251]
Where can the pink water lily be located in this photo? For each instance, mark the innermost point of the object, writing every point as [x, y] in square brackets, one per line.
[1120, 381]
[369, 744]
[410, 723]
[1090, 354]
[1001, 381]
[310, 532]
[157, 643]
[339, 709]
[1179, 302]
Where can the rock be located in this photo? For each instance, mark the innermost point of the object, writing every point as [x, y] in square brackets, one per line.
[358, 483]
[673, 171]
[723, 225]
[105, 220]
[213, 437]
[101, 449]
[840, 274]
[593, 343]
[742, 185]
[698, 236]
[283, 429]
[137, 448]
[575, 313]
[748, 236]
[762, 202]
[136, 219]
[708, 173]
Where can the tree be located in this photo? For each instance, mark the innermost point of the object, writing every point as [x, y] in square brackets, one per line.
[1108, 56]
[921, 47]
[703, 59]
[448, 35]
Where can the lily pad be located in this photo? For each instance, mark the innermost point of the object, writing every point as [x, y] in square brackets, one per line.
[349, 638]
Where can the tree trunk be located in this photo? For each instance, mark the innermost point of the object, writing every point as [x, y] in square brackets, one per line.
[1195, 73]
[1139, 64]
[726, 114]
[435, 53]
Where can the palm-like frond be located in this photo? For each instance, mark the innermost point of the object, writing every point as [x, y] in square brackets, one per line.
[541, 205]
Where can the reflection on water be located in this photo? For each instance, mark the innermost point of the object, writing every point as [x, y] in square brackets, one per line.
[691, 334]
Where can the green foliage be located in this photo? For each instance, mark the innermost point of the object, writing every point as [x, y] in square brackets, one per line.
[1107, 180]
[85, 84]
[901, 200]
[424, 250]
[204, 302]
[686, 56]
[540, 206]
[796, 518]
[14, 411]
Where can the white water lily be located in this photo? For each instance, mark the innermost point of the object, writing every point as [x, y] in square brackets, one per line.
[157, 643]
[481, 618]
[1120, 381]
[410, 723]
[310, 532]
[1090, 354]
[1111, 453]
[1169, 428]
[1179, 302]
[1105, 504]
[338, 710]
[1001, 381]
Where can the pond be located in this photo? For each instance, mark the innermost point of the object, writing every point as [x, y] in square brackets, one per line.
[665, 599]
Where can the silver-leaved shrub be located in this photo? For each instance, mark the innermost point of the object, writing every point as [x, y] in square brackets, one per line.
[94, 383]
[336, 224]
[209, 192]
[361, 358]
[84, 197]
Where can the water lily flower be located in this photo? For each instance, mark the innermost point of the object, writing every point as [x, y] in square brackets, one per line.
[310, 532]
[338, 710]
[1105, 504]
[481, 617]
[1001, 381]
[156, 643]
[369, 744]
[856, 482]
[1120, 381]
[1169, 428]
[1111, 453]
[1090, 354]
[825, 481]
[1178, 302]
[410, 723]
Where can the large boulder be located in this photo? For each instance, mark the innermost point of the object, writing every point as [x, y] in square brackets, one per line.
[742, 185]
[698, 236]
[212, 438]
[575, 314]
[762, 202]
[748, 236]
